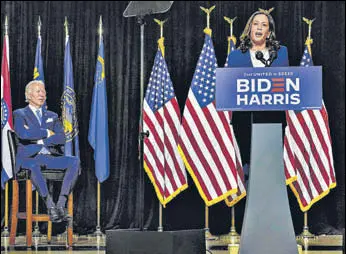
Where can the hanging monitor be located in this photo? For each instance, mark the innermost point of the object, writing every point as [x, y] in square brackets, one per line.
[142, 8]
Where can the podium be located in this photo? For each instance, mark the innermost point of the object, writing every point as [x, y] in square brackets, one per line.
[267, 226]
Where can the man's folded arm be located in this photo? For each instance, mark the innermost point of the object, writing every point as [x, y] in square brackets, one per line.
[58, 135]
[26, 133]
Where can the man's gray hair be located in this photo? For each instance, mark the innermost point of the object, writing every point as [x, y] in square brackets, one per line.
[28, 88]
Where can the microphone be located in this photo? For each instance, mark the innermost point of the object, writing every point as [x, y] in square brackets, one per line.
[272, 56]
[259, 56]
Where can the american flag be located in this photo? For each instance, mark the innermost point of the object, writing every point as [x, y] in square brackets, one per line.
[206, 135]
[161, 117]
[308, 152]
[235, 198]
[289, 158]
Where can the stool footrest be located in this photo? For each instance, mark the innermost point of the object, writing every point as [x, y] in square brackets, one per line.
[35, 217]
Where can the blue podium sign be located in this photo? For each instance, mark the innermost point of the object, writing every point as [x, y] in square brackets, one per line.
[273, 88]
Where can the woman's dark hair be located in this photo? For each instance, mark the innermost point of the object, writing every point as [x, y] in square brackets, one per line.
[271, 43]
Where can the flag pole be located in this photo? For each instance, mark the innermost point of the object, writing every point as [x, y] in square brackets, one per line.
[162, 48]
[5, 233]
[69, 231]
[232, 236]
[142, 135]
[208, 235]
[160, 228]
[36, 232]
[306, 234]
[98, 231]
[207, 232]
[207, 30]
[231, 36]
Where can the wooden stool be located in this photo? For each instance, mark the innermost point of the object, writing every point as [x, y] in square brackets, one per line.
[24, 175]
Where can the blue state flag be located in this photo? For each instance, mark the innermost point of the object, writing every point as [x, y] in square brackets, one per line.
[38, 69]
[69, 114]
[98, 125]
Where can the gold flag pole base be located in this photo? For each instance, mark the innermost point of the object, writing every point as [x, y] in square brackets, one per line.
[300, 249]
[232, 237]
[5, 243]
[36, 233]
[5, 233]
[209, 236]
[233, 248]
[98, 232]
[306, 234]
[99, 236]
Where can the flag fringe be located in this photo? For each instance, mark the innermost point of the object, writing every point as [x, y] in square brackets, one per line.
[163, 201]
[235, 201]
[313, 201]
[200, 190]
[291, 180]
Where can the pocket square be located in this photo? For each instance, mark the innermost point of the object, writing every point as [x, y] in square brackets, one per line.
[49, 120]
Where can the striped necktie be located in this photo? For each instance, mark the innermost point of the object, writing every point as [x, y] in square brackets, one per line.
[39, 116]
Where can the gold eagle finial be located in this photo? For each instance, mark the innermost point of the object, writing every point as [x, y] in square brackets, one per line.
[160, 23]
[308, 21]
[267, 12]
[208, 11]
[231, 36]
[207, 30]
[229, 20]
[309, 40]
[161, 40]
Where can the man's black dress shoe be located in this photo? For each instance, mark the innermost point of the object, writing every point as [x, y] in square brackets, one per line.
[54, 214]
[62, 213]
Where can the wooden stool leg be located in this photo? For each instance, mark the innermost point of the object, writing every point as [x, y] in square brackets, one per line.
[70, 224]
[49, 232]
[14, 218]
[28, 213]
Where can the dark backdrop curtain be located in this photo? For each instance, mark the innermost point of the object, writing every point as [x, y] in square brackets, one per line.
[184, 36]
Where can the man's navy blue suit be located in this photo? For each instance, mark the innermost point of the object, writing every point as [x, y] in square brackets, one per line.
[29, 152]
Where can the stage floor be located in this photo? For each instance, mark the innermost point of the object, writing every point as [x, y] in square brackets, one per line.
[96, 245]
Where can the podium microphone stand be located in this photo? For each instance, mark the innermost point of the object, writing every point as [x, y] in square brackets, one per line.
[140, 10]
